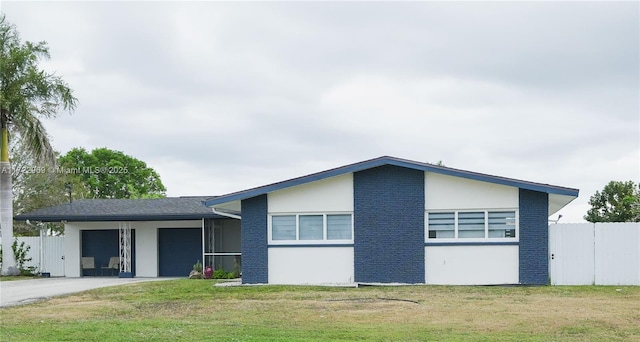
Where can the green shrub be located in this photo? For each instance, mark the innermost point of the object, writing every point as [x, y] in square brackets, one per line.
[197, 266]
[20, 254]
[219, 274]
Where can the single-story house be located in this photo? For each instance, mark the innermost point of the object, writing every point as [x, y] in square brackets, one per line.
[385, 220]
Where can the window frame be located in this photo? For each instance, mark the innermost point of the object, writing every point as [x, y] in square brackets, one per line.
[486, 238]
[297, 241]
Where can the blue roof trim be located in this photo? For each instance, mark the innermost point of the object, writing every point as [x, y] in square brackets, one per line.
[368, 164]
[95, 218]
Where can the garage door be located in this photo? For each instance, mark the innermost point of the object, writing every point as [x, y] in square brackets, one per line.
[178, 250]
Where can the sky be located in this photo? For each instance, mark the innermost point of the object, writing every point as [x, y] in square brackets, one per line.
[224, 96]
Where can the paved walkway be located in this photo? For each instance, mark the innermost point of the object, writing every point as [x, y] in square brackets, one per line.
[20, 292]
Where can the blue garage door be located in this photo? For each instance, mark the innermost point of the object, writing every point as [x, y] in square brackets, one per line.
[102, 245]
[178, 250]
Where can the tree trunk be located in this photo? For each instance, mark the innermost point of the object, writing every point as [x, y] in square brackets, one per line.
[6, 204]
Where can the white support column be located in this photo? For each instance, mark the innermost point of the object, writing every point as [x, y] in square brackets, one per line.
[203, 228]
[125, 249]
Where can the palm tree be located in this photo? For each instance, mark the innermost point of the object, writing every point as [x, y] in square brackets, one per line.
[27, 94]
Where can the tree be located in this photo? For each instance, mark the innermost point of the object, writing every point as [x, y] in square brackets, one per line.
[618, 202]
[27, 94]
[37, 186]
[112, 174]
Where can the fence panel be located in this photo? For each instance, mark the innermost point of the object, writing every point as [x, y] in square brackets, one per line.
[617, 253]
[52, 254]
[571, 254]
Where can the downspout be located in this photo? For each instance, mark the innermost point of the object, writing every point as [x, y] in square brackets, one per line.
[233, 216]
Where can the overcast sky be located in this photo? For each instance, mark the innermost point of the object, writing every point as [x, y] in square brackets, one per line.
[219, 97]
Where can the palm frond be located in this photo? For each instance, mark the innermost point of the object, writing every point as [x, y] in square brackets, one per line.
[34, 137]
[27, 93]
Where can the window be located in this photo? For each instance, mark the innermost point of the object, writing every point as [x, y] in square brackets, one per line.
[311, 227]
[339, 227]
[283, 227]
[502, 224]
[442, 225]
[472, 225]
[316, 227]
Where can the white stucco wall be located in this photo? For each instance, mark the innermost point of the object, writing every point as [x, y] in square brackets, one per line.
[146, 249]
[447, 192]
[328, 195]
[311, 265]
[146, 240]
[471, 265]
[71, 250]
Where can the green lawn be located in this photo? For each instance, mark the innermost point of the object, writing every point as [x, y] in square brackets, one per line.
[187, 310]
[12, 278]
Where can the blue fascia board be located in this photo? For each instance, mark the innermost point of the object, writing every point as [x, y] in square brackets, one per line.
[368, 164]
[97, 218]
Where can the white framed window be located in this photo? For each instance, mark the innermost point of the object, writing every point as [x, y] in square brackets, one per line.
[471, 224]
[311, 228]
[502, 224]
[442, 225]
[476, 225]
[284, 227]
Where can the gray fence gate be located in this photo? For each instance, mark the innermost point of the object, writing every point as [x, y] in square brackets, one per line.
[50, 258]
[599, 254]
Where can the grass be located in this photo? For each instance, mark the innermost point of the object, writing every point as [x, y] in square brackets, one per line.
[186, 310]
[12, 278]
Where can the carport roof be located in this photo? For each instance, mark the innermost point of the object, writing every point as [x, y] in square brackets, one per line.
[157, 209]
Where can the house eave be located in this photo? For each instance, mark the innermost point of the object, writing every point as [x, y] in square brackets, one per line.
[245, 194]
[107, 218]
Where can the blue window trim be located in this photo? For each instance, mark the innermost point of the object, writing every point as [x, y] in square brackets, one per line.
[312, 245]
[488, 243]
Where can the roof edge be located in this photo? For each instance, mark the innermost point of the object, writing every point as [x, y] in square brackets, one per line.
[95, 218]
[387, 160]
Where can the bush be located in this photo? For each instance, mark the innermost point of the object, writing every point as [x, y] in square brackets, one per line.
[197, 266]
[222, 274]
[20, 254]
[219, 274]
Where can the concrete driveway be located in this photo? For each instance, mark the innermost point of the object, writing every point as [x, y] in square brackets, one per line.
[20, 292]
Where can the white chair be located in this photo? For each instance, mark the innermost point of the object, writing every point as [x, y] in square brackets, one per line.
[88, 263]
[113, 266]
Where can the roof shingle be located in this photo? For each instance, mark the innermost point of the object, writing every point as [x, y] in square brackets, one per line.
[168, 208]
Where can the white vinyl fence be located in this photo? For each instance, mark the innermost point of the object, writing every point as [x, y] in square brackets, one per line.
[598, 254]
[50, 259]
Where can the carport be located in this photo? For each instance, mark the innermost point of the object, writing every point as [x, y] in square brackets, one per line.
[150, 237]
[104, 244]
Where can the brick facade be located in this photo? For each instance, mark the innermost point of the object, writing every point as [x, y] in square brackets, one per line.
[534, 237]
[389, 225]
[254, 240]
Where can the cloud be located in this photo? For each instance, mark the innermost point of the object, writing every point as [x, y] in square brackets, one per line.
[223, 96]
